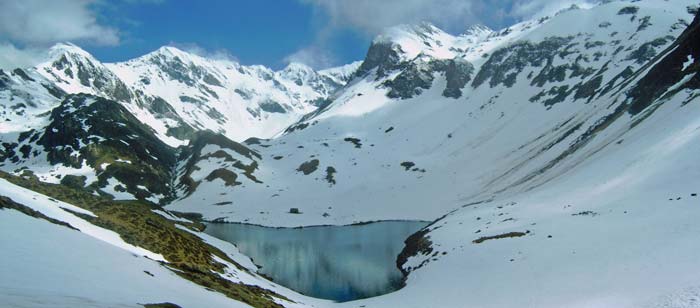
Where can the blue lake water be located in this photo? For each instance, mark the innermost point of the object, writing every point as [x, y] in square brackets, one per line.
[340, 263]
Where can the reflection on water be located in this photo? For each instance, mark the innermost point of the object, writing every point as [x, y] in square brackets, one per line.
[339, 263]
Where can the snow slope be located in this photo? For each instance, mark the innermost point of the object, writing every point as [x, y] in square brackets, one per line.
[26, 98]
[557, 158]
[49, 265]
[411, 138]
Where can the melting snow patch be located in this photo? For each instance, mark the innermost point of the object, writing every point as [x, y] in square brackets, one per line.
[688, 62]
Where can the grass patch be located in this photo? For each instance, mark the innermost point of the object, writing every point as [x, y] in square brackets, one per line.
[161, 305]
[136, 223]
[500, 236]
[228, 176]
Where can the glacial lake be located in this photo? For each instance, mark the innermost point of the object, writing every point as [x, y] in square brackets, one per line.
[340, 263]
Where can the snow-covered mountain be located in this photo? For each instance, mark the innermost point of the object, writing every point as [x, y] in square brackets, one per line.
[558, 161]
[27, 98]
[556, 157]
[433, 121]
[160, 101]
[177, 92]
[226, 97]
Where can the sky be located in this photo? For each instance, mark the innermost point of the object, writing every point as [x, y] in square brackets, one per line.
[319, 33]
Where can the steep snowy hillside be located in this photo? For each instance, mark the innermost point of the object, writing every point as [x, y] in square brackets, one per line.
[93, 143]
[565, 166]
[76, 71]
[594, 237]
[26, 98]
[433, 121]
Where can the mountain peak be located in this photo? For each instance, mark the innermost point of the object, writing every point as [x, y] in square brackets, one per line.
[423, 30]
[297, 67]
[478, 30]
[170, 52]
[406, 42]
[67, 48]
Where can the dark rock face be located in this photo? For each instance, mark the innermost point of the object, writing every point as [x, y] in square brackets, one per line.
[670, 70]
[330, 175]
[504, 66]
[95, 131]
[629, 10]
[161, 108]
[647, 51]
[94, 76]
[4, 80]
[384, 56]
[418, 75]
[308, 167]
[417, 243]
[458, 73]
[272, 106]
[19, 72]
[415, 77]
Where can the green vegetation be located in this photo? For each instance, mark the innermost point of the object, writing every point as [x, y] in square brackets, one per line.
[225, 175]
[102, 134]
[187, 255]
[161, 305]
[193, 154]
[499, 236]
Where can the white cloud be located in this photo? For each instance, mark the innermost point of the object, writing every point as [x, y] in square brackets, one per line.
[525, 9]
[313, 56]
[371, 16]
[11, 57]
[41, 22]
[28, 27]
[216, 54]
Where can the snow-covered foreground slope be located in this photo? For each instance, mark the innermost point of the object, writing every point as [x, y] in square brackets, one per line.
[52, 266]
[436, 121]
[618, 231]
[54, 257]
